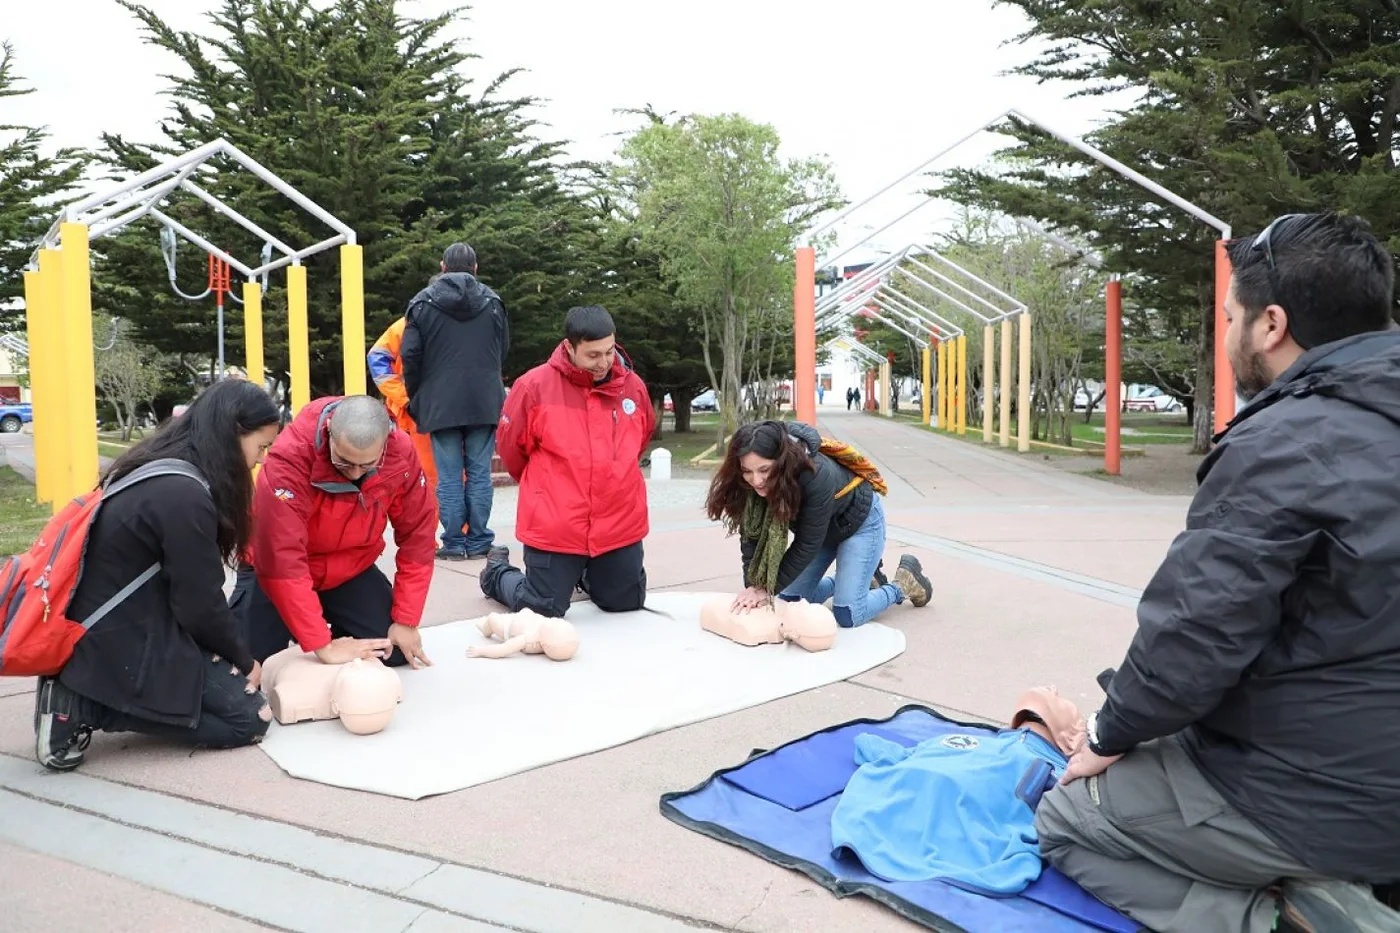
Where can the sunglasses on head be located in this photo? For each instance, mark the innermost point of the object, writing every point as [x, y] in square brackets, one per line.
[1263, 240]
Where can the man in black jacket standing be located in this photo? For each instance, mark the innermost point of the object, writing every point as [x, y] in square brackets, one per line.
[454, 344]
[1243, 773]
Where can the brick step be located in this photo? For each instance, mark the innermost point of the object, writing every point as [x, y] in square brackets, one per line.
[501, 479]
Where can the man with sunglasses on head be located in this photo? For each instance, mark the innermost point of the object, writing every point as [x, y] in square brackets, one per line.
[332, 483]
[1243, 772]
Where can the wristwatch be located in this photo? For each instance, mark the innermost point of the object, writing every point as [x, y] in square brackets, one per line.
[1091, 735]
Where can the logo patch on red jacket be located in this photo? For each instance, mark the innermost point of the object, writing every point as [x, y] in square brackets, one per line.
[283, 494]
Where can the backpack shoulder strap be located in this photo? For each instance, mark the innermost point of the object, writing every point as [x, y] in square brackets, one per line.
[167, 466]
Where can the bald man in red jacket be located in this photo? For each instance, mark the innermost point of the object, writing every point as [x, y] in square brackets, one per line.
[572, 434]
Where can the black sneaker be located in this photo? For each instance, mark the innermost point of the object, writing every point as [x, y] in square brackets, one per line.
[879, 579]
[484, 552]
[451, 553]
[60, 735]
[1333, 907]
[497, 560]
[912, 582]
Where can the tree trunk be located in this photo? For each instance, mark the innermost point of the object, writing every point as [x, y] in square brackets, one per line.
[682, 413]
[1203, 410]
[658, 406]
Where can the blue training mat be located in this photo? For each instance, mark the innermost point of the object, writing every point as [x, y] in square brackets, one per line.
[778, 805]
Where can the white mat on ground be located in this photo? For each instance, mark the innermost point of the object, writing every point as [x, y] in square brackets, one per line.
[466, 721]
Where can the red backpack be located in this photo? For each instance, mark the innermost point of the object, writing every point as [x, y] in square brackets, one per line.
[36, 635]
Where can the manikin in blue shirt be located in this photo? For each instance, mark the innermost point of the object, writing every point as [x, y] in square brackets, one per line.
[960, 807]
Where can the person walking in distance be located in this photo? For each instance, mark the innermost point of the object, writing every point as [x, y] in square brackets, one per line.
[454, 344]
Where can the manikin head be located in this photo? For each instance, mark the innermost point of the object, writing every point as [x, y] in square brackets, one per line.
[558, 639]
[762, 458]
[459, 257]
[592, 340]
[1050, 715]
[1305, 280]
[811, 625]
[365, 696]
[358, 435]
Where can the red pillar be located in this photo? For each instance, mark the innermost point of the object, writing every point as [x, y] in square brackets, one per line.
[1224, 372]
[1113, 380]
[804, 330]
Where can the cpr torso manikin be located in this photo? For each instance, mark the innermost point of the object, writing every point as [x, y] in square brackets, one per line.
[362, 694]
[526, 631]
[808, 625]
[1063, 725]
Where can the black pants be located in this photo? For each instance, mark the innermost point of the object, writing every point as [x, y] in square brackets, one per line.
[358, 608]
[228, 714]
[615, 581]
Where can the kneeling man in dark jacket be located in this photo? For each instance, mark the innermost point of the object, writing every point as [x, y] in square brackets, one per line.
[1243, 773]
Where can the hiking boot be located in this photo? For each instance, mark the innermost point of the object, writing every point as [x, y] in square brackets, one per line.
[879, 579]
[451, 553]
[497, 560]
[60, 735]
[911, 580]
[1333, 907]
[484, 552]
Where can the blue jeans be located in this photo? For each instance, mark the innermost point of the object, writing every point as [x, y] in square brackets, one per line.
[465, 503]
[856, 558]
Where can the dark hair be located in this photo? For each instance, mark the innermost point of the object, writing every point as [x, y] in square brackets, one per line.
[1328, 271]
[729, 491]
[589, 322]
[459, 257]
[208, 435]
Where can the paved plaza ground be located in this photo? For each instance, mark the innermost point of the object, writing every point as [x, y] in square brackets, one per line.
[1036, 574]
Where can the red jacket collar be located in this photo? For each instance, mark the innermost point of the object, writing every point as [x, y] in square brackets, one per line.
[582, 378]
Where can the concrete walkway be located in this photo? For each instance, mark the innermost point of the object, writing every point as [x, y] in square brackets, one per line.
[1035, 572]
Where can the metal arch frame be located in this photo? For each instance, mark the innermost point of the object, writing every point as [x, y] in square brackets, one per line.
[143, 195]
[1226, 400]
[857, 346]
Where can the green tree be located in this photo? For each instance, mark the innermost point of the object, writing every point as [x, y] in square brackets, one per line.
[1246, 108]
[722, 210]
[365, 111]
[30, 184]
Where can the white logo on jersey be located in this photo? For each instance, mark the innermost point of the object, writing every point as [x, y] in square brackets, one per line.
[960, 742]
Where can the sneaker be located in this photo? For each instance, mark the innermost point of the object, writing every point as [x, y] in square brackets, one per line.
[1333, 907]
[912, 582]
[879, 579]
[60, 736]
[451, 553]
[484, 552]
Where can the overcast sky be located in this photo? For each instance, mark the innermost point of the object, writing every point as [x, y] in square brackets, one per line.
[877, 86]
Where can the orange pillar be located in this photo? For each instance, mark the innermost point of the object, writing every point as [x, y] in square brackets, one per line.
[1224, 373]
[804, 335]
[1113, 380]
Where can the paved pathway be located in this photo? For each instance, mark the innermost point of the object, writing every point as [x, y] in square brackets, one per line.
[1035, 571]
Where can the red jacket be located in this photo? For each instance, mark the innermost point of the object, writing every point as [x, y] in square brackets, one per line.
[574, 448]
[314, 530]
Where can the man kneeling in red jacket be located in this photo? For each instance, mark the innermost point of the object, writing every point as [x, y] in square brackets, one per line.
[331, 483]
[572, 434]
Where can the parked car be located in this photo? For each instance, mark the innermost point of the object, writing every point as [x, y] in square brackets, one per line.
[705, 401]
[1151, 398]
[13, 417]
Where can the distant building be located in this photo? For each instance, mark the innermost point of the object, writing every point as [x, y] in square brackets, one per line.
[14, 372]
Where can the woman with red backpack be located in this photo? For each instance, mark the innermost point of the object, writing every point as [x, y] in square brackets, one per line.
[780, 476]
[164, 656]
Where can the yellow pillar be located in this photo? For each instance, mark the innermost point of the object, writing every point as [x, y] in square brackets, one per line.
[77, 337]
[943, 385]
[1005, 383]
[53, 366]
[962, 384]
[1023, 394]
[989, 382]
[352, 317]
[928, 364]
[37, 316]
[253, 334]
[298, 337]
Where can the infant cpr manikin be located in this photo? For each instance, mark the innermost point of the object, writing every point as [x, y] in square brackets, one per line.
[362, 694]
[808, 625]
[526, 631]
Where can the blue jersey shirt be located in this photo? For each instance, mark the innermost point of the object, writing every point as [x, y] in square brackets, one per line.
[959, 808]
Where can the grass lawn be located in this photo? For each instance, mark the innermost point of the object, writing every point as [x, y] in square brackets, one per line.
[21, 518]
[1139, 429]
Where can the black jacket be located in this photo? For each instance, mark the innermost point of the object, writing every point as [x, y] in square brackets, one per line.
[454, 344]
[822, 520]
[1270, 636]
[144, 658]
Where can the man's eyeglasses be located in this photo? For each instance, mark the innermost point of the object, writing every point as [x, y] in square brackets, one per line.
[345, 466]
[1262, 241]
